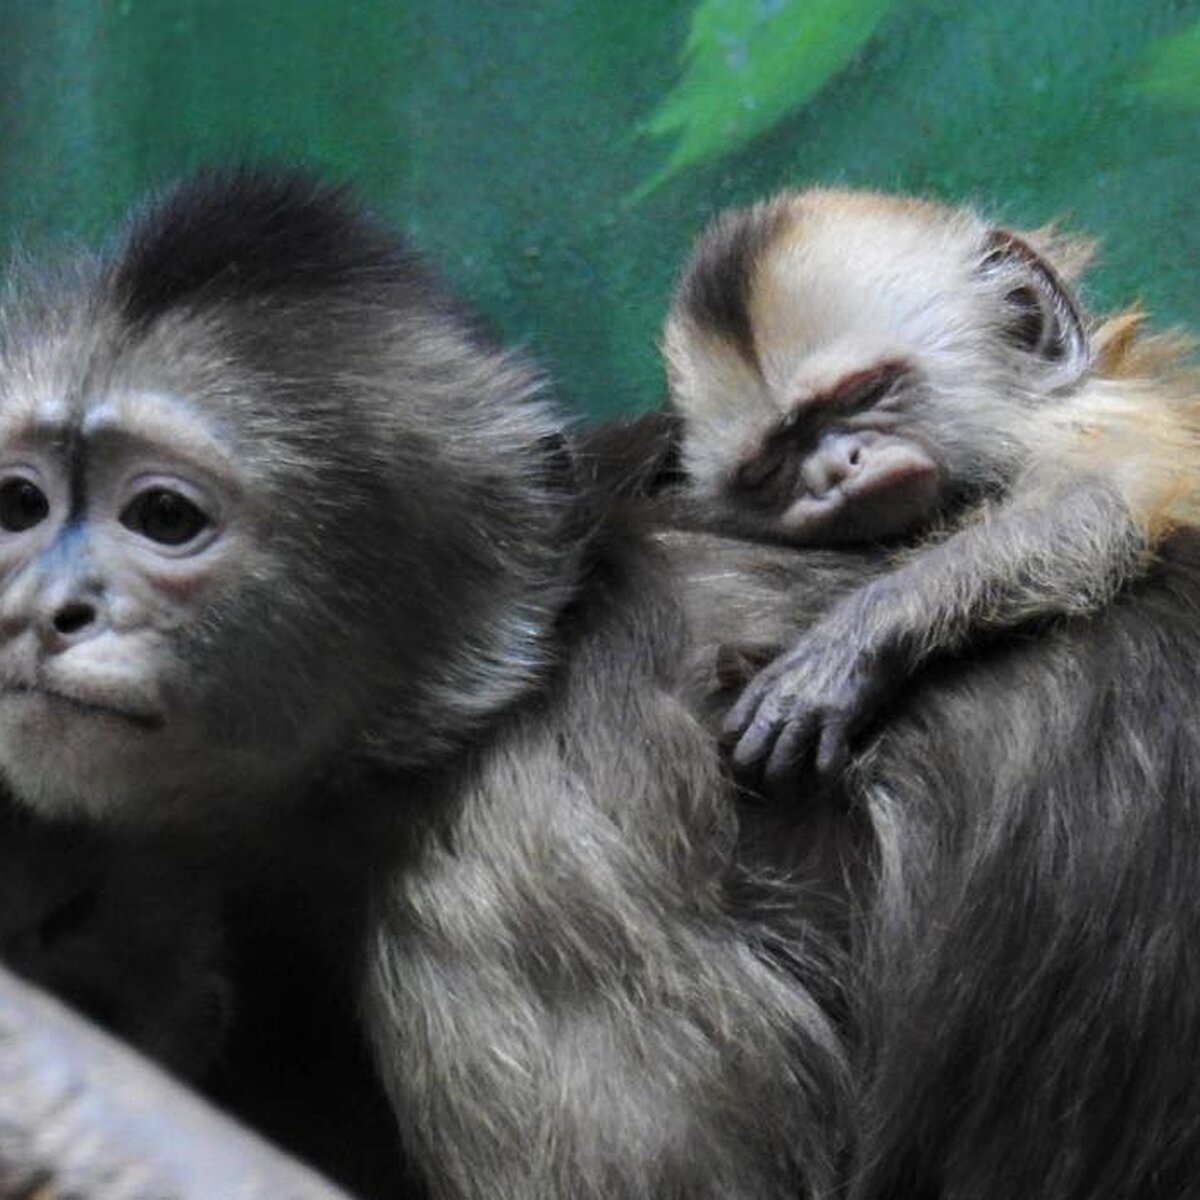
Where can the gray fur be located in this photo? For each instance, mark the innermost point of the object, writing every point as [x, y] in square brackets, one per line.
[406, 619]
[1017, 842]
[615, 1031]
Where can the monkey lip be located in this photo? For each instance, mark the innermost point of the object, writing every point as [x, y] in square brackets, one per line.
[142, 718]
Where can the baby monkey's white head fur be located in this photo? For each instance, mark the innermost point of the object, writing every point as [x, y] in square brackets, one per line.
[848, 364]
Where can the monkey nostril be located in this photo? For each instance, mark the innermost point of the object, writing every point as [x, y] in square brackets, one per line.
[73, 617]
[854, 456]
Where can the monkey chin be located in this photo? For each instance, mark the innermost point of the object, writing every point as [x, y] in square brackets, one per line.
[65, 757]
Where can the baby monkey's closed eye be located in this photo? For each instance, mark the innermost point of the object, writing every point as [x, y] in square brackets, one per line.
[857, 391]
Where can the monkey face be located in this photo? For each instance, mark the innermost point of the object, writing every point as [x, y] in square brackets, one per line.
[124, 528]
[849, 364]
[169, 649]
[834, 469]
[266, 498]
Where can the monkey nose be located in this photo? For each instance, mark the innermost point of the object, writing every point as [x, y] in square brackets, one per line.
[71, 622]
[835, 458]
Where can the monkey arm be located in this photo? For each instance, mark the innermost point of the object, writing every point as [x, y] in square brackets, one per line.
[1060, 552]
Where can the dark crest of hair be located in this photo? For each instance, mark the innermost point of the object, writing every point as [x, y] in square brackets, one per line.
[716, 289]
[230, 235]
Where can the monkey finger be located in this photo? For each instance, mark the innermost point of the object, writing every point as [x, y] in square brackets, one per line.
[758, 738]
[833, 750]
[791, 751]
[745, 710]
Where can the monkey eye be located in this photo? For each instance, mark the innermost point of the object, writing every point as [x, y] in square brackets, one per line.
[22, 505]
[164, 516]
[862, 390]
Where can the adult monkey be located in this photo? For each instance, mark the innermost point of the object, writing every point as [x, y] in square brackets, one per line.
[291, 557]
[1028, 924]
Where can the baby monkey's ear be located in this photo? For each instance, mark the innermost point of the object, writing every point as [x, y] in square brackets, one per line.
[1041, 315]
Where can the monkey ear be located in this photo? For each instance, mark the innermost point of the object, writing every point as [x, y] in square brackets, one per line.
[1042, 317]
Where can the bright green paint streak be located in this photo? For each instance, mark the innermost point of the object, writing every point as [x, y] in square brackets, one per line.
[1172, 71]
[748, 63]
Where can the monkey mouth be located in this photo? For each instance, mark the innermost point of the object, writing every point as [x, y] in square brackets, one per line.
[141, 718]
[880, 487]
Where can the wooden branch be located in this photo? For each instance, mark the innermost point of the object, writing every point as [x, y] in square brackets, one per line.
[84, 1116]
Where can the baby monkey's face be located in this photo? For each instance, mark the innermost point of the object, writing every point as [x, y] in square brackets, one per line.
[838, 467]
[846, 362]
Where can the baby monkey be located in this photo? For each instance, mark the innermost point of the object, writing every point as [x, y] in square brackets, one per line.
[858, 368]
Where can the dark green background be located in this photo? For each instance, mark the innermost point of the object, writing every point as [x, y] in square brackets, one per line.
[556, 158]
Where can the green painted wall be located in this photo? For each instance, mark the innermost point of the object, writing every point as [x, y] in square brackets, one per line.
[557, 157]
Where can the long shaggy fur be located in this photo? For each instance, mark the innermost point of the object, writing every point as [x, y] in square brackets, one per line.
[1017, 841]
[445, 640]
[1016, 832]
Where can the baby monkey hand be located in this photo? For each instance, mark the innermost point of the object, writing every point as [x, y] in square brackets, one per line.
[797, 716]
